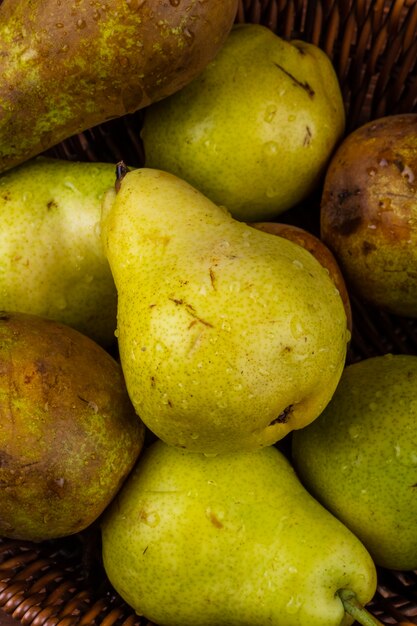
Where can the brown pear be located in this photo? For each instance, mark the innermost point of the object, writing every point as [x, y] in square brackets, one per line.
[68, 433]
[69, 66]
[369, 212]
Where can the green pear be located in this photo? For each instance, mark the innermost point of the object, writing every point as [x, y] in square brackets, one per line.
[231, 540]
[68, 66]
[255, 129]
[359, 458]
[52, 263]
[229, 337]
[322, 253]
[68, 433]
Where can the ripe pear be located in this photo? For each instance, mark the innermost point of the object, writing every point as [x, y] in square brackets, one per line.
[68, 66]
[359, 458]
[231, 540]
[52, 262]
[319, 249]
[229, 337]
[68, 433]
[255, 129]
[369, 212]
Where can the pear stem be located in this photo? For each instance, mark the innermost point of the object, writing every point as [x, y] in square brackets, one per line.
[121, 171]
[356, 610]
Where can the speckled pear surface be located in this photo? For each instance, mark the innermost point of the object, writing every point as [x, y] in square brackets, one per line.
[229, 337]
[232, 540]
[52, 261]
[68, 433]
[255, 130]
[68, 66]
[360, 456]
[368, 212]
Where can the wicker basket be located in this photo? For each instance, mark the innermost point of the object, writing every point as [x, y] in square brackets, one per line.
[373, 45]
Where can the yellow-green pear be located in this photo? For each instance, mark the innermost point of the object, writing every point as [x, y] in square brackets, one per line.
[359, 458]
[255, 129]
[229, 337]
[231, 540]
[52, 263]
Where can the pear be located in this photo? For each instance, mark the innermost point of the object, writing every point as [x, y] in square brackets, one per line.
[68, 433]
[255, 129]
[68, 66]
[229, 337]
[369, 212]
[359, 457]
[319, 249]
[52, 263]
[231, 540]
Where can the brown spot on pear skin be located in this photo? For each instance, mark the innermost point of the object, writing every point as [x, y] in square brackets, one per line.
[51, 205]
[307, 137]
[215, 520]
[284, 416]
[5, 459]
[304, 85]
[212, 279]
[368, 247]
[190, 310]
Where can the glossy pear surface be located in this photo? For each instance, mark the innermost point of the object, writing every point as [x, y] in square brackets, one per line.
[52, 262]
[68, 66]
[231, 540]
[256, 128]
[317, 248]
[229, 337]
[359, 458]
[68, 433]
[369, 212]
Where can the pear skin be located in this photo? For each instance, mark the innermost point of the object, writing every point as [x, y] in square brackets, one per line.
[229, 337]
[322, 253]
[68, 433]
[52, 262]
[68, 66]
[369, 212]
[232, 540]
[255, 130]
[359, 457]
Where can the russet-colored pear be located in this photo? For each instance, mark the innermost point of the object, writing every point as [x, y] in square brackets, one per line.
[68, 66]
